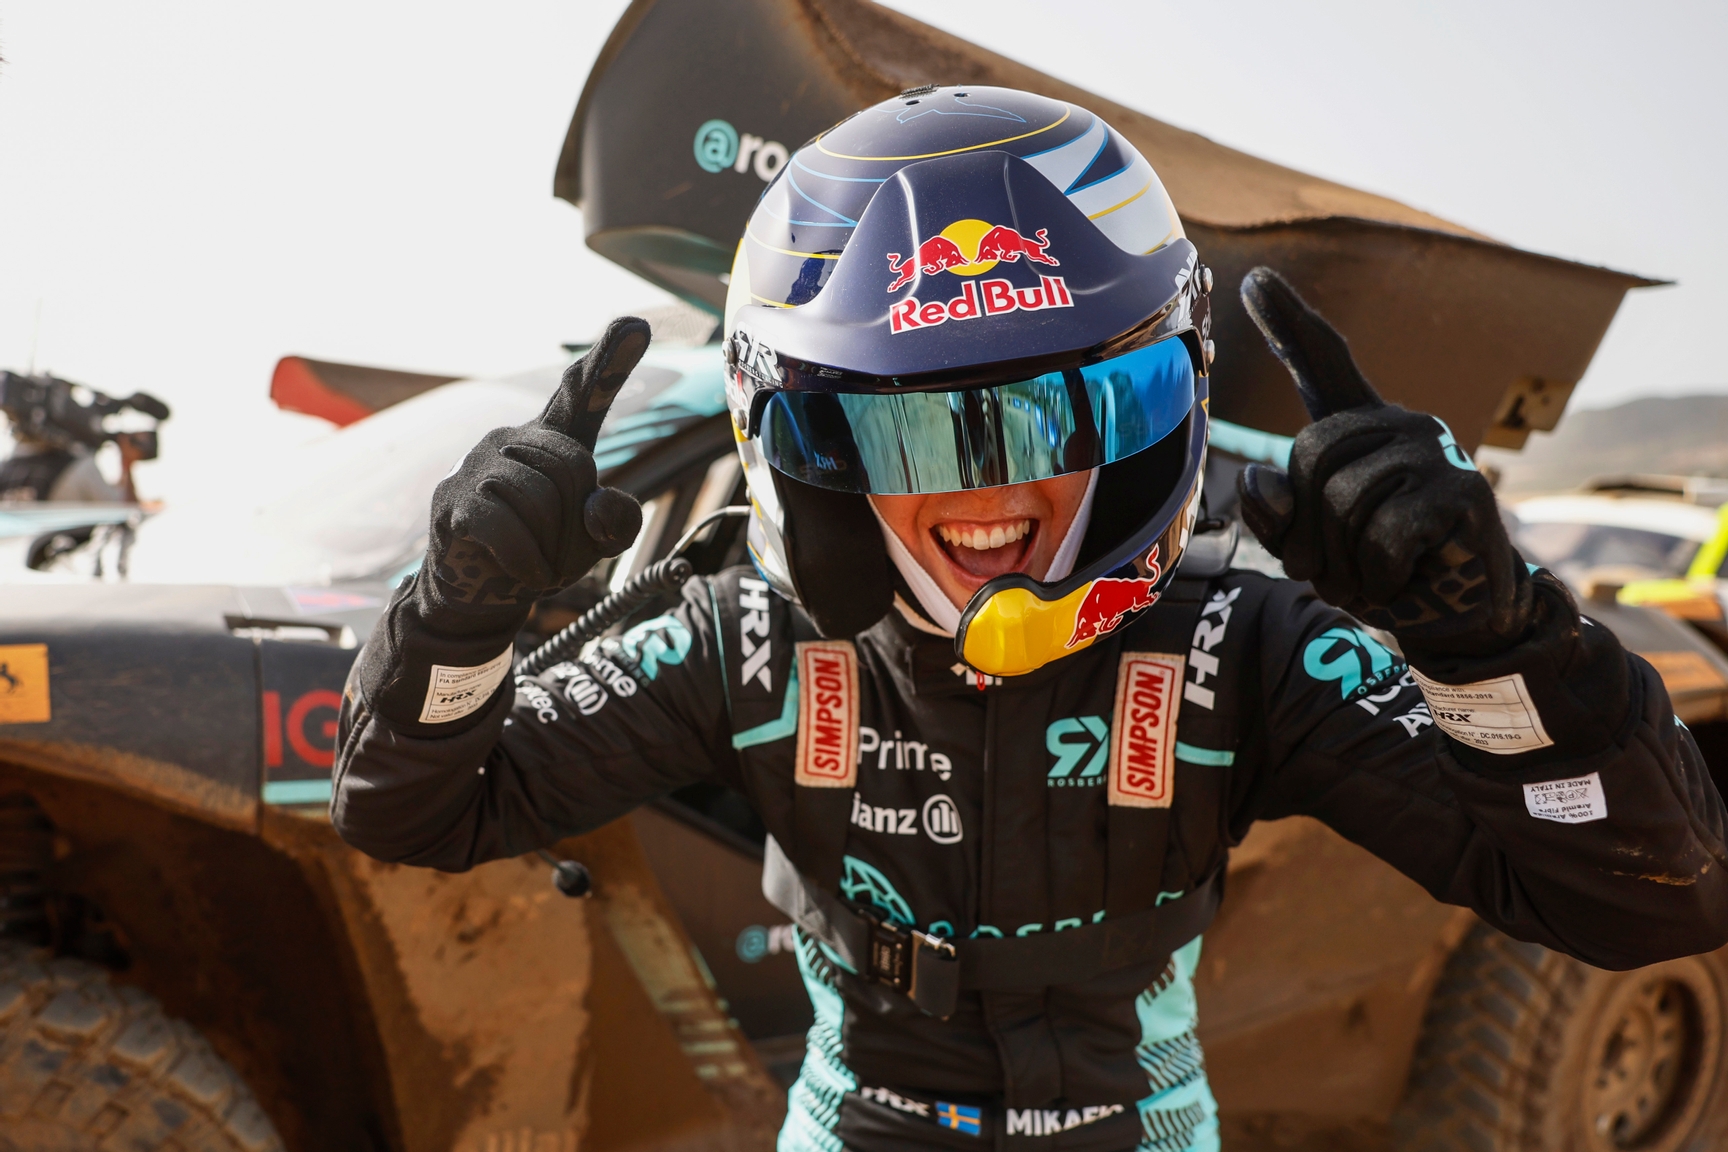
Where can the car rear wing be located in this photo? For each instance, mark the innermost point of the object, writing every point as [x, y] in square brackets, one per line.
[343, 393]
[692, 106]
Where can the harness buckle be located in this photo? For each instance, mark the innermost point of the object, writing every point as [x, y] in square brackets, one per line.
[925, 968]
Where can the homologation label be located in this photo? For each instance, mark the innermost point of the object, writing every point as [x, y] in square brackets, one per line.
[1494, 715]
[1576, 801]
[453, 693]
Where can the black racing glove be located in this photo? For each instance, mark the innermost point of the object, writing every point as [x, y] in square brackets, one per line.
[1381, 510]
[520, 517]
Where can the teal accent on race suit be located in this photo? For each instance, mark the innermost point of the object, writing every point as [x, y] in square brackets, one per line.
[813, 1101]
[1212, 757]
[774, 730]
[1179, 1114]
[662, 640]
[1455, 455]
[862, 882]
[1345, 666]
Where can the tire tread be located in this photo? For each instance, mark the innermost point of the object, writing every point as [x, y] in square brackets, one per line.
[81, 1058]
[1478, 1079]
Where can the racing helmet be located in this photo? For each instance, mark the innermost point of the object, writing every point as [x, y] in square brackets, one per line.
[962, 287]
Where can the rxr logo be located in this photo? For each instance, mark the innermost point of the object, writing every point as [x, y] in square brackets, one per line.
[1073, 740]
[1350, 656]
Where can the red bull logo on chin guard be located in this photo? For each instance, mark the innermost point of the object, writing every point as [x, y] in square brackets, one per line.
[1107, 604]
[972, 248]
[1109, 601]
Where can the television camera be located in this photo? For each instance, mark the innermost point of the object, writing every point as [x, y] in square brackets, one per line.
[48, 410]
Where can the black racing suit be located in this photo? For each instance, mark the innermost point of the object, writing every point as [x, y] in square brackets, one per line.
[979, 813]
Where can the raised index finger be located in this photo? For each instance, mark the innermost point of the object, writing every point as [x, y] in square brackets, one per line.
[590, 385]
[1316, 353]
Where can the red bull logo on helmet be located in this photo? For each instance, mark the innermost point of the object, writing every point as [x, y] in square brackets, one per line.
[972, 248]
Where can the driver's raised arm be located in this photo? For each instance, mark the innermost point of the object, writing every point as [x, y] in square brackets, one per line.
[566, 751]
[1531, 768]
[1594, 828]
[439, 763]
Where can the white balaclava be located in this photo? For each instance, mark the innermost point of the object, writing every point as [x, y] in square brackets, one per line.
[939, 616]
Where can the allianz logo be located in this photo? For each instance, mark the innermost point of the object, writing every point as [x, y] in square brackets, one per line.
[941, 819]
[720, 146]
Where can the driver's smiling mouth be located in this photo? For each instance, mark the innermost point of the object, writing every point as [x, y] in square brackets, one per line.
[986, 549]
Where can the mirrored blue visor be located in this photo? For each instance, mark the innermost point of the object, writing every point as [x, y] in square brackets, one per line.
[1052, 424]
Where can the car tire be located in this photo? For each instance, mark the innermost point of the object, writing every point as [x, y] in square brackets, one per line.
[88, 1065]
[1526, 1050]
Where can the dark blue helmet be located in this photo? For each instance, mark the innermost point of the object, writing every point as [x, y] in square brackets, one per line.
[958, 288]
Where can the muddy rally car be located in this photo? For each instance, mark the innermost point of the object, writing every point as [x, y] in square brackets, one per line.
[191, 959]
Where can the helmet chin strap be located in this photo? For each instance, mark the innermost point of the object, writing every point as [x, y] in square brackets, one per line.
[939, 614]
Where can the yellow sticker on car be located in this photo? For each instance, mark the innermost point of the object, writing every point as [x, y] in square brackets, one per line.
[23, 683]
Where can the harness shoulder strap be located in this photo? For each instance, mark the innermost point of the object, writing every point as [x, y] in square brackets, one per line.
[1142, 765]
[825, 766]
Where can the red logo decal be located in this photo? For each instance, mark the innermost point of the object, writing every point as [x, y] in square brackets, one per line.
[1143, 732]
[1108, 602]
[988, 243]
[980, 298]
[827, 715]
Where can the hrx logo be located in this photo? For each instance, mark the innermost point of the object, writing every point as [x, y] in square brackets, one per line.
[1077, 740]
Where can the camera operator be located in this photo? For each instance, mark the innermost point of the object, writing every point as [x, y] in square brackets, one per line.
[38, 470]
[56, 437]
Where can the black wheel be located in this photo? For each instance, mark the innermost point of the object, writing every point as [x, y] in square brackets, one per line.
[1525, 1050]
[87, 1066]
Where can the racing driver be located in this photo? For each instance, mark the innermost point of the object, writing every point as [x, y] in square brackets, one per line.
[989, 679]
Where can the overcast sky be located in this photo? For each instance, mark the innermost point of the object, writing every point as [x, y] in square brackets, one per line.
[190, 190]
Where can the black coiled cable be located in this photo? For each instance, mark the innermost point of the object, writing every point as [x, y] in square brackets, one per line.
[657, 579]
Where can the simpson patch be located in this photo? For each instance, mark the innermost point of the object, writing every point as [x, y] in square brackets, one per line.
[1143, 733]
[827, 714]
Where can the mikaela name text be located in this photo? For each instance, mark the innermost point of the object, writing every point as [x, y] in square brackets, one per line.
[980, 298]
[1049, 1121]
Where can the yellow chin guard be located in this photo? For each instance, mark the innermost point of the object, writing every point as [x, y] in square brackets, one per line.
[1014, 632]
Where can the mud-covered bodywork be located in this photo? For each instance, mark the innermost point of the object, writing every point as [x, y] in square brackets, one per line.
[179, 738]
